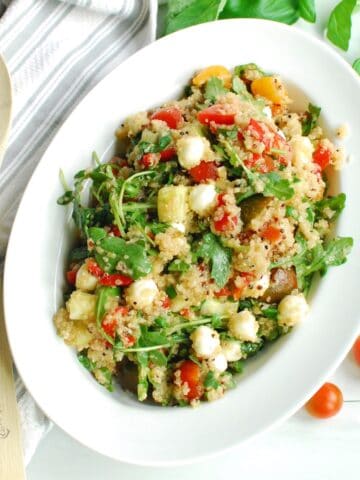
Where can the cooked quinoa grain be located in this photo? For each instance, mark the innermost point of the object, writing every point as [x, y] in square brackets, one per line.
[201, 238]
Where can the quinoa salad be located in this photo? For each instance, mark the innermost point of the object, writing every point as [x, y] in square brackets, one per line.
[198, 242]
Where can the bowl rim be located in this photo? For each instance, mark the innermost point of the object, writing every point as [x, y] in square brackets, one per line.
[320, 44]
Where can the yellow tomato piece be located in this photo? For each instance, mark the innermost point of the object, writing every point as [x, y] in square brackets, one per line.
[270, 88]
[213, 71]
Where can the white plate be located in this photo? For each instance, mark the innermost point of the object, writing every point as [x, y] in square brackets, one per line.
[286, 374]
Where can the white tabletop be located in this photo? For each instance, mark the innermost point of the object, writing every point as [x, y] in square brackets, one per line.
[301, 448]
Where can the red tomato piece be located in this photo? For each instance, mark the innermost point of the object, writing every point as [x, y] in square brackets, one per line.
[185, 312]
[94, 268]
[271, 233]
[167, 154]
[326, 402]
[150, 159]
[115, 231]
[129, 340]
[356, 351]
[170, 115]
[109, 325]
[223, 292]
[204, 171]
[190, 374]
[226, 222]
[260, 132]
[259, 163]
[71, 276]
[115, 280]
[322, 157]
[122, 310]
[166, 302]
[220, 199]
[216, 114]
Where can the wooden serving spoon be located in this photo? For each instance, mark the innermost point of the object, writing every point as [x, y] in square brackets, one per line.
[11, 454]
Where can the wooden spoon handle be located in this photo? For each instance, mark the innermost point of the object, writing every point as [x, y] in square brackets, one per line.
[11, 455]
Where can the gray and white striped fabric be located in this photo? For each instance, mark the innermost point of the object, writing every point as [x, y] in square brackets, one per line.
[56, 51]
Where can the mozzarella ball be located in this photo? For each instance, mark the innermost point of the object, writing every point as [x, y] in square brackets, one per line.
[293, 309]
[141, 293]
[302, 151]
[205, 341]
[180, 227]
[202, 199]
[244, 326]
[267, 112]
[84, 280]
[232, 350]
[190, 151]
[81, 306]
[218, 363]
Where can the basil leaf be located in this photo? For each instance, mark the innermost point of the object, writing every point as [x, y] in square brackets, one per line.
[277, 187]
[284, 11]
[356, 66]
[214, 89]
[339, 24]
[311, 118]
[307, 10]
[211, 249]
[184, 13]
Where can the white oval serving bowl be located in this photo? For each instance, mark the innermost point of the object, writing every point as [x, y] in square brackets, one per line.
[286, 374]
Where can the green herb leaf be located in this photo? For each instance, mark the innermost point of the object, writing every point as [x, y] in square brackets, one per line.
[147, 147]
[214, 89]
[211, 249]
[250, 349]
[210, 381]
[184, 13]
[86, 362]
[339, 24]
[356, 66]
[270, 312]
[307, 10]
[108, 379]
[103, 296]
[291, 212]
[171, 292]
[97, 234]
[79, 253]
[237, 367]
[66, 198]
[336, 204]
[284, 11]
[161, 322]
[310, 120]
[277, 186]
[143, 384]
[240, 69]
[178, 266]
[158, 357]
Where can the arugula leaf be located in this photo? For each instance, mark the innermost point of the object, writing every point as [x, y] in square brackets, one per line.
[277, 186]
[240, 69]
[211, 249]
[339, 24]
[250, 349]
[291, 212]
[210, 381]
[79, 253]
[214, 89]
[158, 357]
[147, 147]
[270, 312]
[133, 255]
[108, 379]
[311, 118]
[178, 266]
[237, 366]
[150, 338]
[170, 291]
[184, 13]
[97, 234]
[103, 295]
[307, 10]
[284, 11]
[356, 66]
[86, 362]
[66, 198]
[143, 384]
[336, 204]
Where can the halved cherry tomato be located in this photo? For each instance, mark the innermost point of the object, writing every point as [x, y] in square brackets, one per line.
[190, 374]
[185, 312]
[129, 340]
[226, 222]
[115, 280]
[326, 402]
[223, 292]
[322, 157]
[94, 268]
[166, 302]
[271, 233]
[356, 351]
[170, 115]
[167, 154]
[204, 171]
[150, 159]
[220, 199]
[71, 277]
[215, 114]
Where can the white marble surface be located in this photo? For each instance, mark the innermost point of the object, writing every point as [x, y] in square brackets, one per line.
[302, 448]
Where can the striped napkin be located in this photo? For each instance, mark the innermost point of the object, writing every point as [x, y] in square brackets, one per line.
[56, 51]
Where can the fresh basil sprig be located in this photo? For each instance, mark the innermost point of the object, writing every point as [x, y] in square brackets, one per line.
[339, 25]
